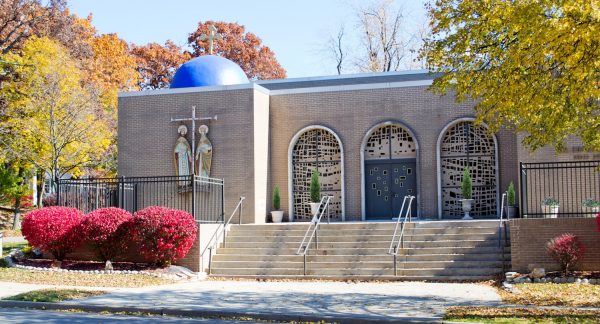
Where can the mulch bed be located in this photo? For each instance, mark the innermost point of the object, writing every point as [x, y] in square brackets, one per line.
[93, 265]
[576, 274]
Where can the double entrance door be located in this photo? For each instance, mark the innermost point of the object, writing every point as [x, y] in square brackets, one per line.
[386, 184]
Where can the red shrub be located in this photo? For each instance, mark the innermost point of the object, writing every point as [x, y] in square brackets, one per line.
[598, 221]
[53, 230]
[164, 234]
[106, 229]
[565, 249]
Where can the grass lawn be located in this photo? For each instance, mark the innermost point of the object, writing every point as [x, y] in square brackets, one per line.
[55, 295]
[6, 247]
[80, 279]
[520, 315]
[549, 294]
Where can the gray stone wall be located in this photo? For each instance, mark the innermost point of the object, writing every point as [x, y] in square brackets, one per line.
[350, 114]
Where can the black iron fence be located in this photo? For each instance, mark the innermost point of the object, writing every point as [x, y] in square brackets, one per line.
[202, 197]
[560, 189]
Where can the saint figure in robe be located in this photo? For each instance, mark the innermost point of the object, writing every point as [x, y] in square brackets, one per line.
[203, 153]
[183, 154]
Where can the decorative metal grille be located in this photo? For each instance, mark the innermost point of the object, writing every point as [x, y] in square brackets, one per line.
[380, 147]
[466, 144]
[316, 149]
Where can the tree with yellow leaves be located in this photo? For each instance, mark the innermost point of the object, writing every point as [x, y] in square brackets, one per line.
[52, 119]
[533, 66]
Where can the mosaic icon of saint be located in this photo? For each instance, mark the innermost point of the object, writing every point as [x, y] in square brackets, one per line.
[203, 153]
[183, 153]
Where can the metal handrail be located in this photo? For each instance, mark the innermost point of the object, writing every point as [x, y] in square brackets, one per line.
[393, 250]
[302, 249]
[214, 240]
[502, 230]
[316, 221]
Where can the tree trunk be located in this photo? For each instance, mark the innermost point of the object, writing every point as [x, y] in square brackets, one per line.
[16, 217]
[40, 188]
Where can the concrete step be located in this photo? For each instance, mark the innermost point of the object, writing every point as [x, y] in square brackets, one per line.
[355, 251]
[358, 265]
[362, 238]
[386, 271]
[360, 258]
[246, 231]
[364, 244]
[457, 223]
[370, 225]
[456, 250]
[378, 278]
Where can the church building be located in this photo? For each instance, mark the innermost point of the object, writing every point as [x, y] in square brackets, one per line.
[373, 138]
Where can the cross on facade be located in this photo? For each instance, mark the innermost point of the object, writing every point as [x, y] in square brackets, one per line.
[212, 35]
[193, 119]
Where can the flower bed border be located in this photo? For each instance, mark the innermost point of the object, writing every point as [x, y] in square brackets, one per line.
[12, 264]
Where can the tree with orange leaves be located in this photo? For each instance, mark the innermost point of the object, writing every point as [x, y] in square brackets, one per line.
[244, 48]
[113, 68]
[156, 64]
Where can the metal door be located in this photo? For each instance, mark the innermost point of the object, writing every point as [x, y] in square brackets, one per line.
[386, 185]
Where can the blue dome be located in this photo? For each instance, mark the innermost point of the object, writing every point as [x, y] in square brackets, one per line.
[208, 70]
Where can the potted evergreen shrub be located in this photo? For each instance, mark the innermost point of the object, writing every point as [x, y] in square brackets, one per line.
[591, 207]
[550, 207]
[467, 192]
[277, 213]
[315, 193]
[510, 196]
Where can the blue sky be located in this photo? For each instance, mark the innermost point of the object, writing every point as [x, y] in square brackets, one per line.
[294, 30]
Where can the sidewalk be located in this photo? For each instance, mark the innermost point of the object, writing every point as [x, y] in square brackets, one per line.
[14, 239]
[324, 300]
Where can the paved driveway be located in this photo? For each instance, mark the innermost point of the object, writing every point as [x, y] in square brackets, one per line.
[375, 301]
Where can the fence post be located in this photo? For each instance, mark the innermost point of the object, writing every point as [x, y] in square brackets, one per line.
[194, 196]
[121, 193]
[57, 193]
[223, 202]
[523, 190]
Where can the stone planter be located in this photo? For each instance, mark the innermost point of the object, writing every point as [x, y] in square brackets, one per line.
[277, 216]
[511, 212]
[591, 211]
[314, 208]
[550, 211]
[467, 205]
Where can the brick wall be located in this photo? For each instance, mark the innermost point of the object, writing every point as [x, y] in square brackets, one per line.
[529, 238]
[350, 114]
[147, 138]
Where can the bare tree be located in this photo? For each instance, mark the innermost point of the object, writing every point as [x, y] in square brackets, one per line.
[382, 37]
[416, 42]
[336, 46]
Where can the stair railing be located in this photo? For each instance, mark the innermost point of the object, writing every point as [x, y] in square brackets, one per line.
[221, 230]
[401, 222]
[314, 230]
[503, 230]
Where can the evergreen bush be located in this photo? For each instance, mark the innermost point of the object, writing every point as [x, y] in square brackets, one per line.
[511, 194]
[467, 185]
[276, 198]
[315, 187]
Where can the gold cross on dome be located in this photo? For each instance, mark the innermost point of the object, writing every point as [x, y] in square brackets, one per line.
[212, 35]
